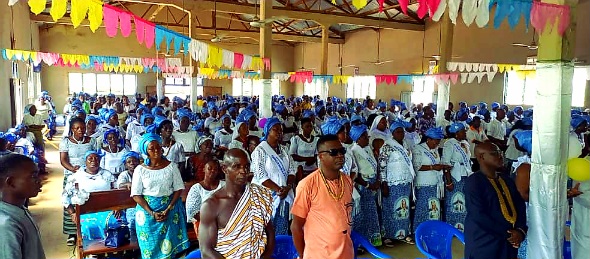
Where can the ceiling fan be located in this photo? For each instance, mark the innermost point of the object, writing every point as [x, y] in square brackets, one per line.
[532, 46]
[379, 62]
[256, 22]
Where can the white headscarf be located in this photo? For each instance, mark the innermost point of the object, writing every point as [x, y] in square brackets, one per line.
[236, 128]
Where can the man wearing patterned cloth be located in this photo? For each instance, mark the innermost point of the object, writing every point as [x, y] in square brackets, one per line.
[236, 220]
[495, 224]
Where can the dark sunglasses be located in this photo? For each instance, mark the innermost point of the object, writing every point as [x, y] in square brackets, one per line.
[335, 151]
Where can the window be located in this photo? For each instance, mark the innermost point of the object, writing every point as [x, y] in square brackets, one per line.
[91, 83]
[422, 90]
[361, 87]
[181, 87]
[249, 87]
[316, 87]
[519, 88]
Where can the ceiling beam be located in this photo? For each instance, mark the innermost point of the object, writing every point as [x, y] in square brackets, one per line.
[200, 30]
[318, 16]
[156, 12]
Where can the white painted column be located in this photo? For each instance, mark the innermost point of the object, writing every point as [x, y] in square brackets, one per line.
[194, 93]
[160, 88]
[442, 101]
[265, 108]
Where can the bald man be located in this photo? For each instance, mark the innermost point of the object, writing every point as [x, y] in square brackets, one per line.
[496, 214]
[235, 220]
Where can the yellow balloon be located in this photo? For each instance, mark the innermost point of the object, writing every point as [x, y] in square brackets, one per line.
[578, 169]
[200, 103]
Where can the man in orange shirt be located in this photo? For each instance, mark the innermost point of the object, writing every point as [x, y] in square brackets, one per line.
[323, 206]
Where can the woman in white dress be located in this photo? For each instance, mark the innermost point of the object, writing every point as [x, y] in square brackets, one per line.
[240, 137]
[160, 214]
[89, 178]
[223, 136]
[457, 155]
[429, 175]
[147, 119]
[72, 151]
[275, 169]
[113, 150]
[173, 151]
[201, 191]
[131, 160]
[303, 150]
[185, 135]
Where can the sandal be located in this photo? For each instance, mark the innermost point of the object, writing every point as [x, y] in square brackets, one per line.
[388, 243]
[408, 240]
[71, 241]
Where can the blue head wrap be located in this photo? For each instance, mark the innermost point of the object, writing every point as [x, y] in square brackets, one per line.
[517, 109]
[483, 105]
[456, 127]
[279, 108]
[224, 117]
[357, 131]
[144, 116]
[92, 152]
[461, 113]
[344, 121]
[482, 111]
[232, 110]
[575, 112]
[106, 114]
[157, 110]
[435, 133]
[183, 113]
[509, 113]
[525, 140]
[245, 115]
[20, 126]
[356, 117]
[381, 105]
[92, 118]
[129, 154]
[159, 119]
[11, 137]
[398, 124]
[495, 105]
[77, 103]
[318, 108]
[270, 122]
[331, 127]
[204, 110]
[577, 121]
[504, 107]
[528, 113]
[117, 135]
[144, 142]
[472, 107]
[151, 128]
[143, 110]
[308, 114]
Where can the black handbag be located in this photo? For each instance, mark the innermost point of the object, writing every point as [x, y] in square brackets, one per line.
[117, 235]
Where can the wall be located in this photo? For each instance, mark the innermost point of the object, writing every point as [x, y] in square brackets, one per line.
[15, 20]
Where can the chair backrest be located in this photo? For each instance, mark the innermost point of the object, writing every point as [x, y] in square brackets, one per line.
[434, 239]
[118, 199]
[284, 248]
[359, 241]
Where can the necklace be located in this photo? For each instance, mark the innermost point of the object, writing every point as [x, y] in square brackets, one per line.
[78, 141]
[168, 147]
[332, 194]
[507, 216]
[306, 139]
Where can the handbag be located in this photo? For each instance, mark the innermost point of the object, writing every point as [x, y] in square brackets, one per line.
[117, 235]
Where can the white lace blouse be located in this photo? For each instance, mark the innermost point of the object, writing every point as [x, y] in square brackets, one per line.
[196, 196]
[395, 163]
[457, 155]
[305, 149]
[87, 183]
[425, 156]
[156, 183]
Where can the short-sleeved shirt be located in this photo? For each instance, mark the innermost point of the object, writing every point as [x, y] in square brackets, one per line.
[327, 221]
[475, 134]
[156, 183]
[20, 236]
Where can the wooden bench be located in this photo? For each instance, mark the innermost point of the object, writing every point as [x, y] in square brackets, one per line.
[118, 199]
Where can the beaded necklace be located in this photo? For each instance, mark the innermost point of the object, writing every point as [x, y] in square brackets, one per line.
[505, 213]
[332, 194]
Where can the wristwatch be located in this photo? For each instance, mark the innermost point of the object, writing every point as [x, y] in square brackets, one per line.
[367, 185]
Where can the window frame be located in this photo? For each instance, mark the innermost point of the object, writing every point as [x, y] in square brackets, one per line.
[89, 83]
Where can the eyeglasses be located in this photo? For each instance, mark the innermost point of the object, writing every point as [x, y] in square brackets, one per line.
[335, 151]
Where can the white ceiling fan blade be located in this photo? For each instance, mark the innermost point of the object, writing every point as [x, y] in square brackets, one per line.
[520, 45]
[383, 62]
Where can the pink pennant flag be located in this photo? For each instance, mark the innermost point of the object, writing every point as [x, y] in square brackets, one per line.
[379, 78]
[403, 4]
[111, 19]
[238, 60]
[381, 5]
[125, 23]
[432, 6]
[543, 13]
[146, 31]
[139, 29]
[422, 8]
[266, 63]
[150, 34]
[454, 77]
[293, 78]
[393, 79]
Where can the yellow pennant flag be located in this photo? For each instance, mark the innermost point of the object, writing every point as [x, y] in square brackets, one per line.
[79, 9]
[95, 14]
[359, 4]
[37, 6]
[58, 9]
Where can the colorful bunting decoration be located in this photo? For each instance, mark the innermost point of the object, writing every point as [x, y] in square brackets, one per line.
[58, 9]
[37, 6]
[544, 13]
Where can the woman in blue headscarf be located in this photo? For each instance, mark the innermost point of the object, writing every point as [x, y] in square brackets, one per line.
[89, 178]
[135, 126]
[156, 187]
[223, 136]
[184, 134]
[275, 169]
[456, 154]
[429, 177]
[147, 119]
[113, 149]
[250, 117]
[131, 160]
[110, 120]
[366, 222]
[303, 149]
[397, 176]
[92, 123]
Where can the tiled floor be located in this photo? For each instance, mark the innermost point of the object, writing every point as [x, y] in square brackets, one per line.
[47, 210]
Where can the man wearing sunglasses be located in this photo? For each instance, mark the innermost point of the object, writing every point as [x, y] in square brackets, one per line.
[323, 206]
[495, 225]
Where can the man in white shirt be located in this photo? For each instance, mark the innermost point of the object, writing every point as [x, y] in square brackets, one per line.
[497, 130]
[475, 136]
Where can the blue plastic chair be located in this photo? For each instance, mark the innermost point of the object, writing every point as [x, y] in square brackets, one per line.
[434, 239]
[284, 249]
[359, 241]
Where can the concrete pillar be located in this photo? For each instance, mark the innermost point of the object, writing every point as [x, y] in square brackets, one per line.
[160, 88]
[445, 52]
[194, 93]
[265, 108]
[324, 57]
[547, 201]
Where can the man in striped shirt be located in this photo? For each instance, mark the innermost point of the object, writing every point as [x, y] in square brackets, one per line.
[236, 220]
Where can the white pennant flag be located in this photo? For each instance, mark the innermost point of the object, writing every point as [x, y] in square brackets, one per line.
[464, 77]
[491, 76]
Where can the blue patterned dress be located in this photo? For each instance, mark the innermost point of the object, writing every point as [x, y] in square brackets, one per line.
[395, 163]
[456, 154]
[366, 222]
[429, 185]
